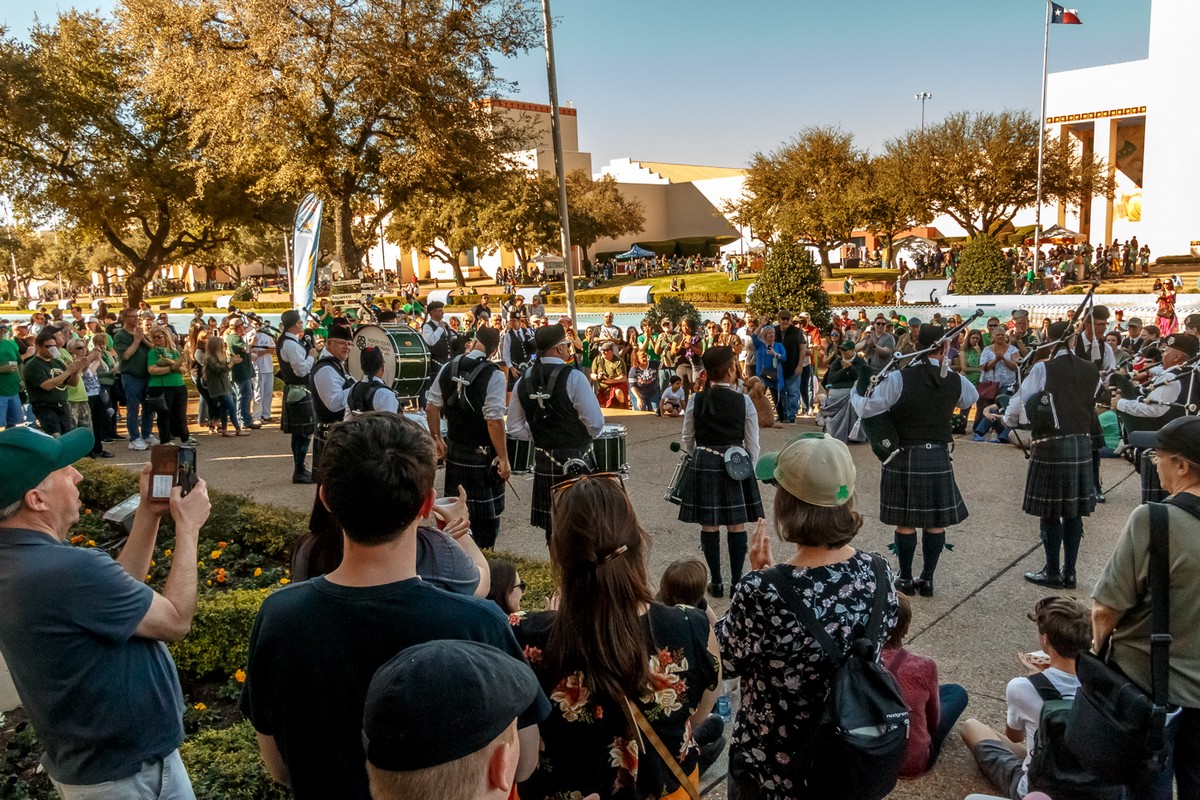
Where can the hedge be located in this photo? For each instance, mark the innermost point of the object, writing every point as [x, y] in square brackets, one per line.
[859, 299]
[539, 583]
[224, 764]
[219, 642]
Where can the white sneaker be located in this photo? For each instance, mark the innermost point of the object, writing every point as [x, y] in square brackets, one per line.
[138, 444]
[152, 439]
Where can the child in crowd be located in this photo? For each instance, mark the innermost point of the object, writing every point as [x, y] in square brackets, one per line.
[935, 709]
[672, 398]
[683, 584]
[1064, 630]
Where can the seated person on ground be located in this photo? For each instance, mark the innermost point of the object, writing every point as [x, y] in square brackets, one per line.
[672, 398]
[1064, 631]
[611, 377]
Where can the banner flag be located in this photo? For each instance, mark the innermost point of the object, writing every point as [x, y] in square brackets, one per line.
[1064, 16]
[306, 243]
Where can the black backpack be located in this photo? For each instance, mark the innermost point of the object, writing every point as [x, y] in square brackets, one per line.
[1054, 768]
[856, 751]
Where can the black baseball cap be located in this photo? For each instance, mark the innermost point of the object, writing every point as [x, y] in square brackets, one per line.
[440, 701]
[1180, 436]
[1185, 343]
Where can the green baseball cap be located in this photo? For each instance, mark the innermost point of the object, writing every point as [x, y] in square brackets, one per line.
[27, 456]
[813, 467]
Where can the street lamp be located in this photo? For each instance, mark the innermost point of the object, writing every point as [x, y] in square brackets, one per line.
[923, 96]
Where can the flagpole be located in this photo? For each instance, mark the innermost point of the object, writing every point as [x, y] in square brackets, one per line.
[560, 167]
[1037, 225]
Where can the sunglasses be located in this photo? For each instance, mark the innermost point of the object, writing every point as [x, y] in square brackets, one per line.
[521, 586]
[560, 487]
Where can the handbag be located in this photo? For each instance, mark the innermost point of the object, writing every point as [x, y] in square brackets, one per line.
[988, 390]
[1116, 729]
[156, 403]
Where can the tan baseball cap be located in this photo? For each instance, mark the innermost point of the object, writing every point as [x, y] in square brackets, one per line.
[814, 467]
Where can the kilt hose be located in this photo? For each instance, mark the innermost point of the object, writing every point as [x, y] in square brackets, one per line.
[917, 489]
[711, 498]
[1059, 482]
[1152, 491]
[472, 470]
[546, 473]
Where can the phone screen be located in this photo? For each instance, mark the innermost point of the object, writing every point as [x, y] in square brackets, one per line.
[163, 470]
[186, 476]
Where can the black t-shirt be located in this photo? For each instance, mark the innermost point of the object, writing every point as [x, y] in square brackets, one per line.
[483, 310]
[39, 370]
[793, 340]
[313, 651]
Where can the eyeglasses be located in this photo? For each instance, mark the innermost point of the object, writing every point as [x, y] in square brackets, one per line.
[993, 324]
[521, 586]
[558, 488]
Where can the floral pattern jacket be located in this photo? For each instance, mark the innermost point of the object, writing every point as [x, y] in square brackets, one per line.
[586, 746]
[785, 675]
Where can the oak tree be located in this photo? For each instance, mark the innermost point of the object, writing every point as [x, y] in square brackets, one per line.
[597, 210]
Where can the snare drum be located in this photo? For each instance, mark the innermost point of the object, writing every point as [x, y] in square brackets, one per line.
[675, 488]
[405, 357]
[420, 418]
[520, 456]
[609, 448]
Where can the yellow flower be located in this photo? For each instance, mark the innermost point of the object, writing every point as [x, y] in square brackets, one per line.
[167, 553]
[200, 707]
[284, 581]
[91, 543]
[240, 676]
[87, 511]
[153, 563]
[257, 571]
[215, 554]
[147, 578]
[208, 583]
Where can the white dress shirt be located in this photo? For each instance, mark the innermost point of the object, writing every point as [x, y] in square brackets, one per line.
[493, 403]
[293, 353]
[749, 432]
[1093, 349]
[433, 331]
[887, 394]
[331, 386]
[384, 400]
[579, 390]
[1034, 382]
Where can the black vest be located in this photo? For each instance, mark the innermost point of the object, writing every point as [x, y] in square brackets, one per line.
[286, 373]
[464, 420]
[362, 395]
[519, 347]
[927, 400]
[440, 353]
[324, 415]
[1071, 382]
[558, 424]
[719, 415]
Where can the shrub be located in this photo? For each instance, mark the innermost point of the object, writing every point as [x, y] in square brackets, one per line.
[790, 279]
[982, 269]
[242, 293]
[225, 765]
[714, 298]
[219, 642]
[269, 530]
[103, 487]
[672, 307]
[860, 299]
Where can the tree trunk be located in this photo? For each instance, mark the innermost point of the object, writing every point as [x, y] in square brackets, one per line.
[135, 285]
[826, 264]
[343, 231]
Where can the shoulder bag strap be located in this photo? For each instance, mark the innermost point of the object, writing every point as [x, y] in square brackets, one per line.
[790, 596]
[651, 736]
[1187, 501]
[1160, 610]
[875, 625]
[1045, 688]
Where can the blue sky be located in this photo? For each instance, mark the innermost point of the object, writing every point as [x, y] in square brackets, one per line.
[713, 81]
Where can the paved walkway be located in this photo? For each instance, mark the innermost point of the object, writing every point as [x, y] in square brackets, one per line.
[973, 627]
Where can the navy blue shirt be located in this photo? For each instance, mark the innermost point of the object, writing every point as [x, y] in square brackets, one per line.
[101, 700]
[313, 651]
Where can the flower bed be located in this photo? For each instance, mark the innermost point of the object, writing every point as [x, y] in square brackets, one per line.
[243, 556]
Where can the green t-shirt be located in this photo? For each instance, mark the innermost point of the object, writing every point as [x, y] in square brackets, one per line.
[38, 370]
[136, 366]
[245, 370]
[10, 382]
[651, 353]
[171, 378]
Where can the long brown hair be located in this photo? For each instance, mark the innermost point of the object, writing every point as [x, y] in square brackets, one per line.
[598, 627]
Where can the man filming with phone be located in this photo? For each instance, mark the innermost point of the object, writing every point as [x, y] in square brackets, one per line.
[83, 635]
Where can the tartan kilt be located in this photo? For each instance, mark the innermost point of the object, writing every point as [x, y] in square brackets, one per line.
[546, 474]
[472, 470]
[298, 419]
[710, 497]
[1059, 481]
[1152, 490]
[917, 489]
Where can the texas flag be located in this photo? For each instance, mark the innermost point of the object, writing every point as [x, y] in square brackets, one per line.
[1064, 16]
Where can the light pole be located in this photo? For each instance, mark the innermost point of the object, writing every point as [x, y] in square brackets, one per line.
[923, 96]
[560, 167]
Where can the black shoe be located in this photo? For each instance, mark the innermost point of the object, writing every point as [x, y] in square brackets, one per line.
[1045, 578]
[302, 477]
[906, 585]
[1068, 580]
[103, 454]
[1100, 498]
[925, 587]
[716, 589]
[255, 425]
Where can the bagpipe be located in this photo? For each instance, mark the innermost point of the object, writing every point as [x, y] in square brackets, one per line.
[880, 430]
[1029, 359]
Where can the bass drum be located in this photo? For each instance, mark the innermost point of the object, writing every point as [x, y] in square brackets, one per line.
[405, 357]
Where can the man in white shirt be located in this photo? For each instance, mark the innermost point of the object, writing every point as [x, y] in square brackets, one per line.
[295, 363]
[608, 331]
[261, 348]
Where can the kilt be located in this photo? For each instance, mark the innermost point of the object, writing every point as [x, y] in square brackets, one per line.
[472, 470]
[299, 418]
[711, 498]
[546, 474]
[1059, 481]
[917, 489]
[1152, 490]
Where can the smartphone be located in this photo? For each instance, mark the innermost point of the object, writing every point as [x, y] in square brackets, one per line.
[170, 466]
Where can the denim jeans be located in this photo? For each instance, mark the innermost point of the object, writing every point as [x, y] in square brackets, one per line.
[806, 393]
[245, 397]
[952, 701]
[161, 779]
[11, 412]
[1183, 764]
[139, 418]
[791, 398]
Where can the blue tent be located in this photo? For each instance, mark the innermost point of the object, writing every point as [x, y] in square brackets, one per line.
[636, 252]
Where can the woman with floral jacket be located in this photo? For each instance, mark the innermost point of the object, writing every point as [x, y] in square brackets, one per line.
[610, 654]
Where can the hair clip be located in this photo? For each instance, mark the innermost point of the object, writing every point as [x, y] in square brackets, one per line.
[605, 559]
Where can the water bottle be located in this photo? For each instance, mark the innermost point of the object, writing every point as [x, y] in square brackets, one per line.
[724, 708]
